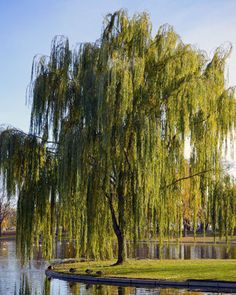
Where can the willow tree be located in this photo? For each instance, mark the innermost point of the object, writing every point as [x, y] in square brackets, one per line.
[117, 113]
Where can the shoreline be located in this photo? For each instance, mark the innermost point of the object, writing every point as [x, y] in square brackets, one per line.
[199, 239]
[203, 285]
[200, 242]
[190, 240]
[8, 234]
[8, 238]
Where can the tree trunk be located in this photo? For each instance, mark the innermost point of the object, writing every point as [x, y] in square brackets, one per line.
[0, 229]
[121, 249]
[121, 291]
[201, 228]
[185, 228]
[119, 233]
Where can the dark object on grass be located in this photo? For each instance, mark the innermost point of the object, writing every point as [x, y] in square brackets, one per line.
[88, 271]
[72, 270]
[99, 273]
[50, 267]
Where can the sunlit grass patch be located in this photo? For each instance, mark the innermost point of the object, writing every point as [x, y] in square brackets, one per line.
[159, 269]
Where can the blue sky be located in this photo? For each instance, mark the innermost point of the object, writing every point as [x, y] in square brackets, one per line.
[28, 26]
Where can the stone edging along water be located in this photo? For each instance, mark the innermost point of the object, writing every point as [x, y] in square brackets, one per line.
[190, 284]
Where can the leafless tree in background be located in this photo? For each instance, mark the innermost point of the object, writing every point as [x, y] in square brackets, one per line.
[6, 205]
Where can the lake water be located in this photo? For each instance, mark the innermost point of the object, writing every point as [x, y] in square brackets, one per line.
[168, 251]
[185, 251]
[31, 279]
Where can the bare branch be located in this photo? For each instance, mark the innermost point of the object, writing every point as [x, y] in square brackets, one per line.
[127, 158]
[186, 177]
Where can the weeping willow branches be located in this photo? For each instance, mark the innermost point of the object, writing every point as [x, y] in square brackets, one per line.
[28, 169]
[119, 111]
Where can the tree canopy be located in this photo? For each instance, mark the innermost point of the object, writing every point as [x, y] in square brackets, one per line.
[105, 155]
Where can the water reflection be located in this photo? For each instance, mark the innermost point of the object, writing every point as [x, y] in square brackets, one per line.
[31, 279]
[25, 288]
[46, 286]
[183, 251]
[151, 250]
[13, 278]
[76, 288]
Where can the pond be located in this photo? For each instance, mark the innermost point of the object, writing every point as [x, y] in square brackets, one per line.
[185, 251]
[31, 279]
[168, 251]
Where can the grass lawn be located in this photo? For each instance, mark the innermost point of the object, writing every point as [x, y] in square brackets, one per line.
[175, 270]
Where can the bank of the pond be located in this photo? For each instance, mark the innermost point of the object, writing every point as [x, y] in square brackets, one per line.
[8, 236]
[208, 239]
[200, 274]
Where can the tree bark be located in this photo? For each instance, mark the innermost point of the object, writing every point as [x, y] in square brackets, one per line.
[185, 231]
[185, 228]
[119, 233]
[121, 291]
[121, 249]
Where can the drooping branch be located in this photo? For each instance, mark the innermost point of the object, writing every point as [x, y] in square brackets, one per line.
[186, 177]
[31, 135]
[127, 158]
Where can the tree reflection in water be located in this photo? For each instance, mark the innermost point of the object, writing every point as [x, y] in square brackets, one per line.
[46, 287]
[74, 288]
[25, 288]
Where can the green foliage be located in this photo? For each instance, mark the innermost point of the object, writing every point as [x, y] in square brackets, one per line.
[119, 112]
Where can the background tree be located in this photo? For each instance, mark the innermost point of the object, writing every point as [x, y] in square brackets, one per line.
[6, 209]
[105, 154]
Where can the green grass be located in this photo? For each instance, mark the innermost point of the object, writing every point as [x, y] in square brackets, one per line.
[175, 270]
